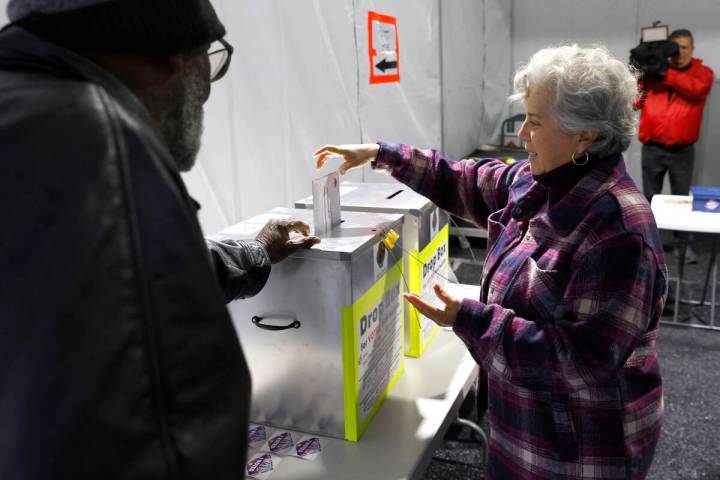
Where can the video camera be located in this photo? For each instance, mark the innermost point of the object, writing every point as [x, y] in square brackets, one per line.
[655, 48]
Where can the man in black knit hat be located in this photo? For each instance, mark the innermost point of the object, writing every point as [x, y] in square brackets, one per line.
[117, 355]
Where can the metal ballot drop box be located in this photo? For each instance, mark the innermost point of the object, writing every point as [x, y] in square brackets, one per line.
[425, 234]
[324, 338]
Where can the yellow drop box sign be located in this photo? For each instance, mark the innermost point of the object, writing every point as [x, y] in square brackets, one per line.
[425, 269]
[372, 350]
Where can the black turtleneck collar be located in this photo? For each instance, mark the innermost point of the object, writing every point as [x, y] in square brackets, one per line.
[559, 181]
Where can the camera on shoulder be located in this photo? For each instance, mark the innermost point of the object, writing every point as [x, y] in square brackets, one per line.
[652, 55]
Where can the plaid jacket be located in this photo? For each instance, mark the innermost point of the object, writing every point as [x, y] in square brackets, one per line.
[567, 317]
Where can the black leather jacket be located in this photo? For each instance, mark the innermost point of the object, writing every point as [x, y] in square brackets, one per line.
[117, 355]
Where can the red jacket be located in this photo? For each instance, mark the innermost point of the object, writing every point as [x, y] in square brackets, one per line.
[672, 106]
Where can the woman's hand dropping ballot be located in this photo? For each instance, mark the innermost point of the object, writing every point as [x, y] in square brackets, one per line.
[444, 317]
[353, 155]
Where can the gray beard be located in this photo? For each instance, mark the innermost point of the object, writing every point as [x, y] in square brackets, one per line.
[178, 118]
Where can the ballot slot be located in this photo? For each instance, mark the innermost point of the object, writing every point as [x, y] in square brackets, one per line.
[426, 252]
[330, 374]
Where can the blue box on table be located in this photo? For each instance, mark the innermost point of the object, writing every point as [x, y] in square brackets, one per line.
[705, 199]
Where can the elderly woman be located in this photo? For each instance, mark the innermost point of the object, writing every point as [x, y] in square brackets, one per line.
[574, 281]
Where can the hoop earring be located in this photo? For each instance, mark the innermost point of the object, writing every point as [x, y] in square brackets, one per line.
[587, 159]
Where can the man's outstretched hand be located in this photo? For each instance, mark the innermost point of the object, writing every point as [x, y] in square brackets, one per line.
[275, 237]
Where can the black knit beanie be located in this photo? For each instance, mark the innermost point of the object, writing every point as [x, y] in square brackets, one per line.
[144, 27]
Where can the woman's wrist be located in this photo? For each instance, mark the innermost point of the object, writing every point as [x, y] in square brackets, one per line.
[468, 316]
[386, 156]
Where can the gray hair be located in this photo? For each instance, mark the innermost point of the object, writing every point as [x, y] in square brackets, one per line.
[592, 91]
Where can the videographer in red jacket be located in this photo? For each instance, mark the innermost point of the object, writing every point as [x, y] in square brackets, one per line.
[672, 107]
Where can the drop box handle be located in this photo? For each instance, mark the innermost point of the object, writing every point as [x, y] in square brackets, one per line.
[258, 323]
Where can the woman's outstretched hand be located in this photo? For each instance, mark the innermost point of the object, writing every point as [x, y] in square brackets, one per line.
[445, 317]
[353, 156]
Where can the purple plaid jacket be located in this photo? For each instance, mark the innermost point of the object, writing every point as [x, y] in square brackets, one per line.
[567, 317]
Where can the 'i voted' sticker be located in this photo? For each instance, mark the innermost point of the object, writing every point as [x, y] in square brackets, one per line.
[257, 435]
[280, 442]
[308, 447]
[261, 465]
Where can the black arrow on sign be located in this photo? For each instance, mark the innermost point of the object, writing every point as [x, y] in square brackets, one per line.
[385, 65]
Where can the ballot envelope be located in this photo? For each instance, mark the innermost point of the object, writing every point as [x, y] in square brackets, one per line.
[324, 337]
[425, 234]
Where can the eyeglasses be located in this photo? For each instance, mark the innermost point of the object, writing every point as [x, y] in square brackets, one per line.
[219, 54]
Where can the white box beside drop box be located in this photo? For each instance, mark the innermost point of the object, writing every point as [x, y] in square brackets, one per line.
[425, 238]
[330, 372]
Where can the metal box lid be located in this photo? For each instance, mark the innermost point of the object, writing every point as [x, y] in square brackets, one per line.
[378, 197]
[357, 232]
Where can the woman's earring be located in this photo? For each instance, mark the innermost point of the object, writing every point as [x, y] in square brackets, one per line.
[587, 159]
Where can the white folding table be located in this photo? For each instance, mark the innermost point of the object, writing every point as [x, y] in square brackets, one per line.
[674, 212]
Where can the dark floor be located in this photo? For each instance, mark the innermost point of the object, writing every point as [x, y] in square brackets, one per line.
[690, 362]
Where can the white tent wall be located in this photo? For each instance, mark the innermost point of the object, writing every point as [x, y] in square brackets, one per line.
[475, 60]
[616, 24]
[707, 166]
[497, 50]
[299, 79]
[408, 111]
[462, 65]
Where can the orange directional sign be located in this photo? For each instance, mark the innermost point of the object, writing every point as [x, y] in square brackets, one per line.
[383, 48]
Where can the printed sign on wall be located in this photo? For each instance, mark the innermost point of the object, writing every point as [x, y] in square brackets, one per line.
[383, 48]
